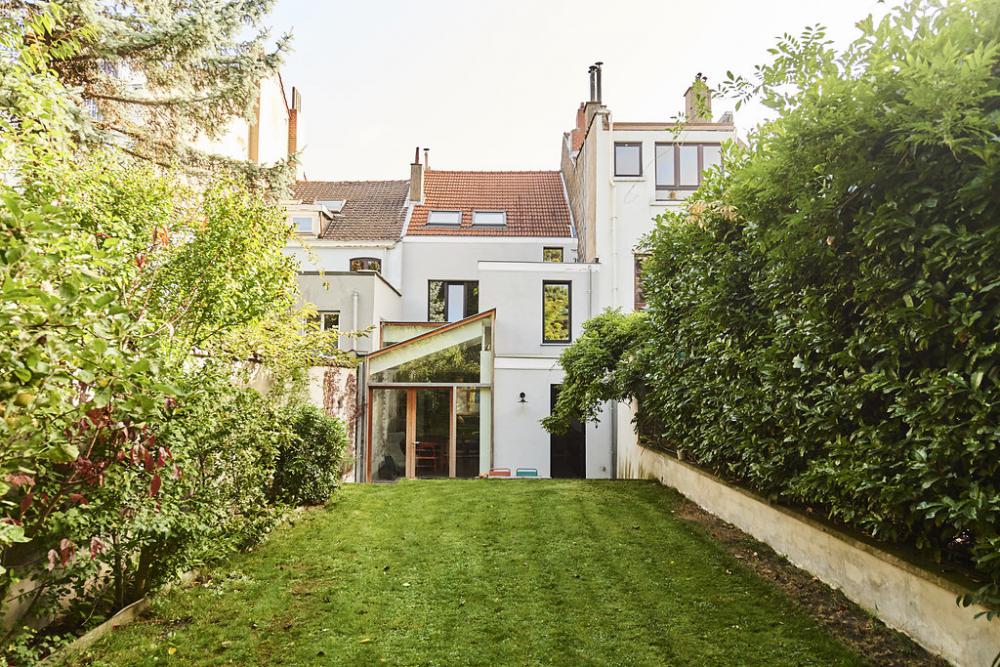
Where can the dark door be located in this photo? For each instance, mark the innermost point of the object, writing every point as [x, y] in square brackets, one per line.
[569, 449]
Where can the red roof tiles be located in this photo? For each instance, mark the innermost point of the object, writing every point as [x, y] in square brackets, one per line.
[533, 201]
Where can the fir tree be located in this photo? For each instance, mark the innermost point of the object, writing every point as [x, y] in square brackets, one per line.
[156, 74]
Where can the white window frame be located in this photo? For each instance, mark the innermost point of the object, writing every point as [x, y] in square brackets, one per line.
[295, 223]
[322, 314]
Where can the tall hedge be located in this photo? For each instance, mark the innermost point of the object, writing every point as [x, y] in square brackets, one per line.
[824, 318]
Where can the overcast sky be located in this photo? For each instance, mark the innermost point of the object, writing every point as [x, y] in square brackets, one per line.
[493, 84]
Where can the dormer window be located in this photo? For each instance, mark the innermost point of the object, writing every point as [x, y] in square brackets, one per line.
[489, 218]
[444, 218]
[304, 224]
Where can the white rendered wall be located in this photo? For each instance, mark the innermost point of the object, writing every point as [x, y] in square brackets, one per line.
[428, 258]
[322, 255]
[336, 291]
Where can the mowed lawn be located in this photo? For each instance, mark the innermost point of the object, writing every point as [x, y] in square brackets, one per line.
[480, 572]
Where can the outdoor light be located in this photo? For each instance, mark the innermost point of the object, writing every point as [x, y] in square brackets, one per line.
[522, 398]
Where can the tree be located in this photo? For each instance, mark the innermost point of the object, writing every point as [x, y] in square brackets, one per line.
[151, 75]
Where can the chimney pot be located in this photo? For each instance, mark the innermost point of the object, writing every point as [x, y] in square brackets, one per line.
[427, 159]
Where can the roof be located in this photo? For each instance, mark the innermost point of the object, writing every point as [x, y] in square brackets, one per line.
[534, 201]
[374, 210]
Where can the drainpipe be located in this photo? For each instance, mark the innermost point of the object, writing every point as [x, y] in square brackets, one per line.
[354, 319]
[614, 290]
[361, 424]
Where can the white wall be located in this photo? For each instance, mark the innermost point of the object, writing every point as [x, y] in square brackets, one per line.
[335, 291]
[519, 439]
[442, 258]
[315, 254]
[273, 131]
[515, 290]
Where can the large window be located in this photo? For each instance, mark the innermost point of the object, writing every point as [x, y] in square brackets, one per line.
[556, 320]
[552, 255]
[680, 166]
[628, 159]
[366, 264]
[450, 301]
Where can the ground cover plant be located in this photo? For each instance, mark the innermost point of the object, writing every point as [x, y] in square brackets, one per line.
[824, 316]
[478, 572]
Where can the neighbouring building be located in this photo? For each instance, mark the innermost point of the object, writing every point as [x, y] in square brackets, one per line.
[469, 284]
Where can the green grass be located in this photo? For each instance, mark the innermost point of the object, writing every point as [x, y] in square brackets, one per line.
[481, 573]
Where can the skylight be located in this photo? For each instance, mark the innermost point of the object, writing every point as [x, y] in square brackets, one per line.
[453, 218]
[490, 218]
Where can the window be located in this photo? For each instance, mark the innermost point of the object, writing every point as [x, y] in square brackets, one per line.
[448, 218]
[366, 264]
[628, 159]
[680, 166]
[640, 298]
[303, 224]
[491, 218]
[552, 255]
[328, 320]
[450, 301]
[556, 321]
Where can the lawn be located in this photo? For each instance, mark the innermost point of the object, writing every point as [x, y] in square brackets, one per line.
[481, 573]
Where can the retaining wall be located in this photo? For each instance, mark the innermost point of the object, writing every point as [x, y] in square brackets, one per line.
[906, 597]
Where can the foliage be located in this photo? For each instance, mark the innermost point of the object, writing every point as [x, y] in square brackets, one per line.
[555, 312]
[308, 464]
[135, 312]
[824, 317]
[151, 76]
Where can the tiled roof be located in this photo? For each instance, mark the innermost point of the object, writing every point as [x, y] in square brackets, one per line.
[533, 200]
[374, 211]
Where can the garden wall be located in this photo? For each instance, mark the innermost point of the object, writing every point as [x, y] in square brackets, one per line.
[906, 597]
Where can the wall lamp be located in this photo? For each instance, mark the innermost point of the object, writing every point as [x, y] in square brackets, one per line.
[522, 398]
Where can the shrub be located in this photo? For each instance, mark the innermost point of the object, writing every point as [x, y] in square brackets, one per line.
[308, 464]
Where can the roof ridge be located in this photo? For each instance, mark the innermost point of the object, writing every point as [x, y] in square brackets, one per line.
[398, 180]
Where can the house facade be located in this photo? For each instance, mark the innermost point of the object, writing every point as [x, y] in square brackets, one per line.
[468, 285]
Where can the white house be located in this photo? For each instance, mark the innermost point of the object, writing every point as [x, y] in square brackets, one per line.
[473, 283]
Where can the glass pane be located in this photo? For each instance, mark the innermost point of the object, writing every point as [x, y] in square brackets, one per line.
[435, 301]
[330, 321]
[467, 432]
[711, 156]
[471, 298]
[366, 264]
[433, 433]
[665, 165]
[489, 218]
[552, 255]
[388, 434]
[555, 310]
[627, 160]
[456, 301]
[689, 165]
[458, 363]
[303, 224]
[444, 217]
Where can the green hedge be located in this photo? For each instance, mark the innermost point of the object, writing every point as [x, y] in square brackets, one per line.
[309, 464]
[824, 319]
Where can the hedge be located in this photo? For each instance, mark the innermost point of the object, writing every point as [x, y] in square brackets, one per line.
[823, 318]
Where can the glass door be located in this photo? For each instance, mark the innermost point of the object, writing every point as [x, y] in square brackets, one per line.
[431, 446]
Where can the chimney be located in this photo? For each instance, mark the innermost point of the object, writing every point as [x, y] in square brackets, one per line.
[597, 67]
[593, 83]
[698, 101]
[416, 177]
[293, 122]
[427, 159]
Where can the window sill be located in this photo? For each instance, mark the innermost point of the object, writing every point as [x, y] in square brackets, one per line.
[551, 344]
[629, 179]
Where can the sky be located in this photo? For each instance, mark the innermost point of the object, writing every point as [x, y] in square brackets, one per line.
[491, 84]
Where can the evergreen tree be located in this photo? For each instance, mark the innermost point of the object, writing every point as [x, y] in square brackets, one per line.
[154, 75]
